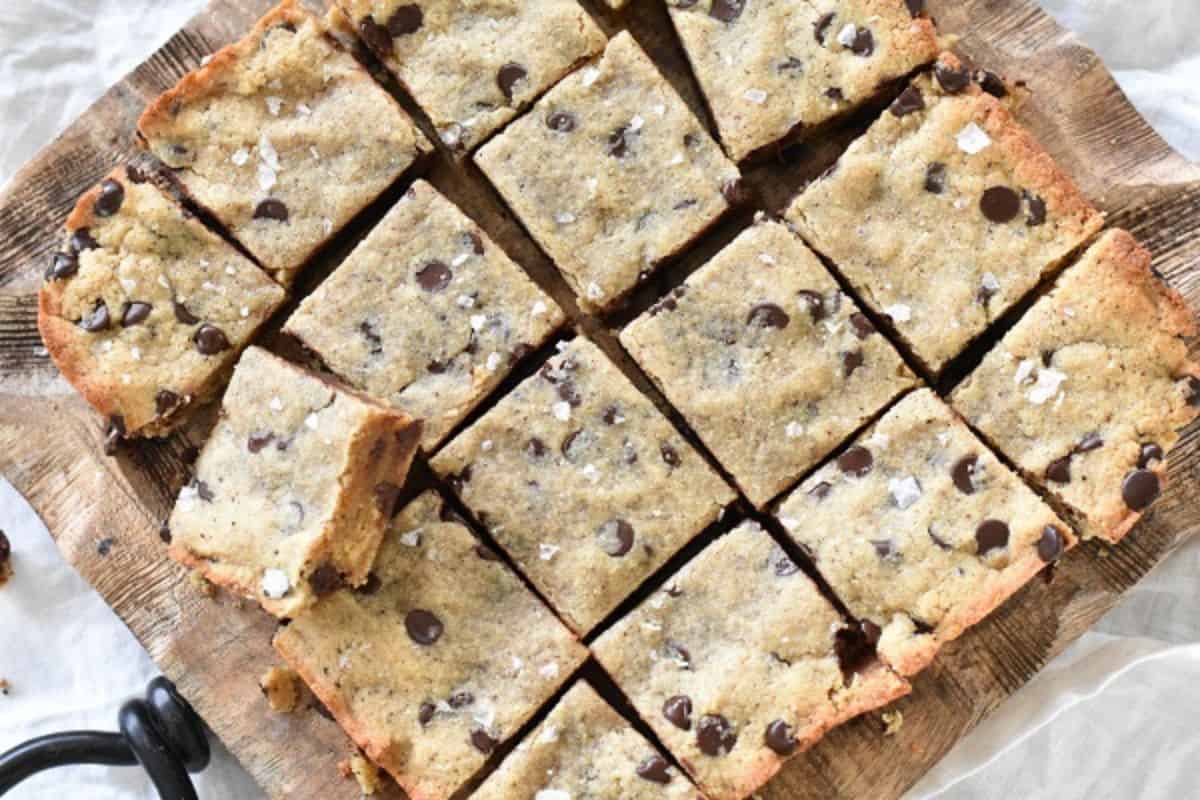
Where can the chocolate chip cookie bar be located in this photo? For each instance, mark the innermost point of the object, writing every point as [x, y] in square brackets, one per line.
[1087, 392]
[738, 663]
[144, 310]
[611, 173]
[769, 362]
[282, 137]
[427, 314]
[770, 70]
[944, 214]
[920, 530]
[473, 66]
[292, 492]
[585, 749]
[584, 482]
[420, 665]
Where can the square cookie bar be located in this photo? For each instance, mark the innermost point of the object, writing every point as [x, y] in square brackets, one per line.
[738, 662]
[1087, 392]
[771, 69]
[293, 490]
[282, 137]
[769, 362]
[145, 310]
[585, 749]
[427, 314]
[944, 214]
[920, 530]
[611, 173]
[584, 482]
[420, 665]
[473, 66]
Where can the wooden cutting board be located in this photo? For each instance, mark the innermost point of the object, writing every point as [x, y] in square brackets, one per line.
[215, 649]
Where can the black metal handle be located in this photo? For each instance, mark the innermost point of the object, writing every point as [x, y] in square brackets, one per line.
[161, 732]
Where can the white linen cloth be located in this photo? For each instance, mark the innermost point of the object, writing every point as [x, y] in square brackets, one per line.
[1113, 717]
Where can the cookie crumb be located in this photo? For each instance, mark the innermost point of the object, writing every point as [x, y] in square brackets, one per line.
[281, 687]
[893, 721]
[362, 770]
[201, 584]
[4, 687]
[5, 559]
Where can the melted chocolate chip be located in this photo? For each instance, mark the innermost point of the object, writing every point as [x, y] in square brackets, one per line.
[715, 735]
[210, 340]
[851, 360]
[821, 26]
[935, 178]
[113, 434]
[258, 440]
[856, 461]
[164, 533]
[910, 101]
[135, 313]
[183, 316]
[104, 546]
[617, 146]
[108, 202]
[166, 402]
[615, 537]
[669, 455]
[963, 473]
[62, 265]
[423, 626]
[535, 447]
[434, 276]
[82, 240]
[325, 579]
[991, 534]
[854, 647]
[779, 737]
[654, 769]
[203, 491]
[1150, 453]
[815, 303]
[1139, 489]
[508, 77]
[98, 320]
[884, 548]
[1051, 544]
[767, 315]
[1000, 204]
[271, 209]
[561, 121]
[405, 19]
[377, 37]
[425, 713]
[915, 7]
[862, 325]
[952, 80]
[370, 586]
[483, 741]
[991, 83]
[863, 44]
[1036, 214]
[678, 711]
[726, 10]
[1059, 470]
[1193, 391]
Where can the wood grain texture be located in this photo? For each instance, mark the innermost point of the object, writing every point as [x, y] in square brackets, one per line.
[215, 649]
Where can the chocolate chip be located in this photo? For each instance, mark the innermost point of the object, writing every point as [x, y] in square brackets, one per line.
[715, 735]
[135, 313]
[915, 7]
[851, 360]
[734, 191]
[939, 541]
[103, 547]
[568, 391]
[726, 10]
[325, 579]
[1059, 470]
[166, 402]
[108, 202]
[183, 316]
[62, 265]
[113, 434]
[98, 320]
[654, 769]
[963, 473]
[461, 699]
[815, 303]
[617, 146]
[862, 325]
[615, 537]
[821, 26]
[535, 447]
[1037, 209]
[210, 340]
[370, 586]
[991, 534]
[386, 494]
[779, 738]
[863, 44]
[376, 36]
[257, 440]
[854, 647]
[508, 77]
[669, 455]
[1091, 441]
[405, 19]
[482, 741]
[425, 713]
[767, 315]
[434, 276]
[1000, 204]
[910, 101]
[991, 83]
[203, 490]
[835, 94]
[856, 461]
[561, 121]
[423, 626]
[1139, 489]
[82, 240]
[1150, 453]
[271, 209]
[1051, 544]
[678, 653]
[790, 64]
[678, 711]
[884, 548]
[1193, 391]
[610, 415]
[164, 533]
[821, 490]
[935, 178]
[952, 79]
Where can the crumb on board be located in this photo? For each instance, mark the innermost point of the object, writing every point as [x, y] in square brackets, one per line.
[362, 770]
[281, 687]
[5, 559]
[201, 584]
[893, 721]
[4, 686]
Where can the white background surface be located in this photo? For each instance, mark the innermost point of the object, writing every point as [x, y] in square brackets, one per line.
[1114, 717]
